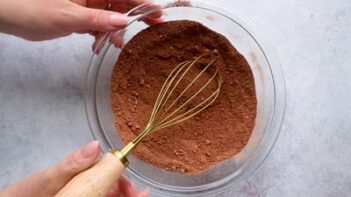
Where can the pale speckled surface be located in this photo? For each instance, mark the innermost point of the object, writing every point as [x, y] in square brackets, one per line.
[42, 116]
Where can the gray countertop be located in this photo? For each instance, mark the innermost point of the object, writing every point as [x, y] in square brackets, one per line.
[42, 115]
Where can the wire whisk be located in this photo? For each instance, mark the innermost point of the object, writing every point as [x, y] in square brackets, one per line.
[172, 106]
[169, 108]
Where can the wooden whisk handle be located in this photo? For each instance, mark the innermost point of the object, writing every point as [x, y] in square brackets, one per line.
[95, 181]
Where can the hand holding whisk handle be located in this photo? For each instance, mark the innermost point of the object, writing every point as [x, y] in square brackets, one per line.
[173, 105]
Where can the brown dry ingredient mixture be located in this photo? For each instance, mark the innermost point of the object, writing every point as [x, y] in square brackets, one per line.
[182, 3]
[216, 134]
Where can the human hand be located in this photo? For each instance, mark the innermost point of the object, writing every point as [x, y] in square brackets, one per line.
[48, 182]
[46, 19]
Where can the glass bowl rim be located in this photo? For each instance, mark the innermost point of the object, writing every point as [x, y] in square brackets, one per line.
[274, 124]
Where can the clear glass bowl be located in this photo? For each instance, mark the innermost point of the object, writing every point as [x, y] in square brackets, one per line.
[270, 92]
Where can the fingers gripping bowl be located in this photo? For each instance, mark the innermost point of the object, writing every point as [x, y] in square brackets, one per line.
[270, 93]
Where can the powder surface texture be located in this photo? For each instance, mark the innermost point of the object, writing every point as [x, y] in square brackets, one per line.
[216, 134]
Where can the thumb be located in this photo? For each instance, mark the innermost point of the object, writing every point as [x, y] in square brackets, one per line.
[89, 19]
[76, 162]
[49, 181]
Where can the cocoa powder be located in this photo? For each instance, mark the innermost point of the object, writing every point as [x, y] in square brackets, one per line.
[216, 134]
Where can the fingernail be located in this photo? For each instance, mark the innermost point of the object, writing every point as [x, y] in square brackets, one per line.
[129, 184]
[118, 20]
[90, 149]
[132, 189]
[133, 185]
[144, 193]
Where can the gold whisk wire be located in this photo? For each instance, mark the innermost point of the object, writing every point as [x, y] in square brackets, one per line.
[161, 119]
